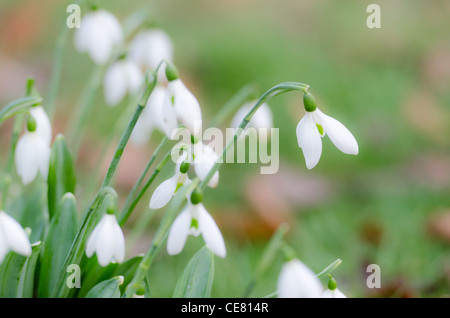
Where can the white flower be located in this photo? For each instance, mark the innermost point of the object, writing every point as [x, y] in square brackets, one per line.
[335, 293]
[204, 159]
[149, 48]
[12, 237]
[99, 33]
[122, 77]
[107, 241]
[262, 119]
[180, 106]
[43, 126]
[32, 156]
[195, 220]
[313, 126]
[296, 280]
[151, 117]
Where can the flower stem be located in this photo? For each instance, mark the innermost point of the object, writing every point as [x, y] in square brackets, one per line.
[274, 91]
[130, 205]
[159, 237]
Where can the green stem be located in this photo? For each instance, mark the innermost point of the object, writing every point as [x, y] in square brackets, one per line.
[237, 100]
[130, 205]
[274, 91]
[159, 237]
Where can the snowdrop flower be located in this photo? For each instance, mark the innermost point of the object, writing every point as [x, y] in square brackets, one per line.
[43, 126]
[107, 241]
[180, 105]
[167, 189]
[314, 125]
[99, 33]
[296, 280]
[262, 119]
[204, 159]
[151, 117]
[12, 237]
[149, 48]
[195, 220]
[122, 77]
[32, 153]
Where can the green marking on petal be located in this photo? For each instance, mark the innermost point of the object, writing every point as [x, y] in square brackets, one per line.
[194, 223]
[320, 128]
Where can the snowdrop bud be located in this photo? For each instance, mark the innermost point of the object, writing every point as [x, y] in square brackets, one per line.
[12, 237]
[309, 102]
[149, 48]
[107, 241]
[122, 77]
[99, 33]
[296, 280]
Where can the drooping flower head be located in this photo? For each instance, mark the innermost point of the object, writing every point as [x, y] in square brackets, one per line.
[100, 32]
[107, 241]
[122, 77]
[195, 220]
[332, 291]
[149, 47]
[12, 237]
[180, 105]
[32, 154]
[296, 280]
[315, 125]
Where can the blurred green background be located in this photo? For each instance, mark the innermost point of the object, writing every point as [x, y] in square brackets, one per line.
[389, 205]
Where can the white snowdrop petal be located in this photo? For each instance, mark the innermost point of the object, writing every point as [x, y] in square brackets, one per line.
[43, 126]
[142, 132]
[134, 76]
[210, 232]
[115, 84]
[81, 34]
[179, 232]
[155, 107]
[25, 157]
[205, 158]
[112, 25]
[339, 135]
[309, 140]
[4, 248]
[15, 235]
[119, 253]
[186, 107]
[163, 193]
[170, 121]
[105, 240]
[333, 294]
[99, 43]
[43, 157]
[90, 246]
[296, 280]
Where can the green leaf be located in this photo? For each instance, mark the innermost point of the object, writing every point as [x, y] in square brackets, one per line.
[197, 278]
[17, 106]
[61, 174]
[106, 289]
[330, 268]
[17, 274]
[61, 233]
